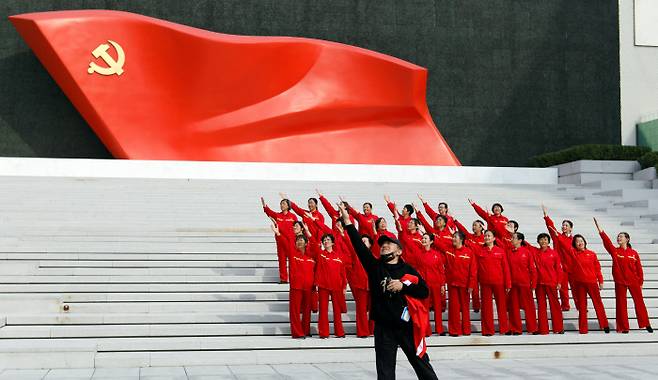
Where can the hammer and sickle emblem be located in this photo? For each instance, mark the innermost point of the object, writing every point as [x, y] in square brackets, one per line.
[114, 66]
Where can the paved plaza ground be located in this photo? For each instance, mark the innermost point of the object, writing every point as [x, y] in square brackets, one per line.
[600, 368]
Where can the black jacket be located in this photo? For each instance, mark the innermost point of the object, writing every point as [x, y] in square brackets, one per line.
[386, 307]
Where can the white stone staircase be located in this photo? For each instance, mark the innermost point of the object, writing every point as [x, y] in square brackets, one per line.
[129, 272]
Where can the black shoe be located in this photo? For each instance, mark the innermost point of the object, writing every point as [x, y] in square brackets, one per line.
[443, 333]
[625, 332]
[516, 333]
[487, 334]
[560, 332]
[606, 330]
[535, 333]
[508, 333]
[454, 335]
[299, 337]
[309, 335]
[650, 329]
[324, 337]
[340, 336]
[476, 310]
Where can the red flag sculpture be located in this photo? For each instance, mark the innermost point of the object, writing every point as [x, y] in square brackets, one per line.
[152, 89]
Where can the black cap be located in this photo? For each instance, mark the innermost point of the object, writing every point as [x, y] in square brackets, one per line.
[385, 238]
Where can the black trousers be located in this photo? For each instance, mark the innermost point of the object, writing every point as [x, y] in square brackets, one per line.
[387, 340]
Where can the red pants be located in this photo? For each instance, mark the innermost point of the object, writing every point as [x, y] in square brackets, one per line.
[364, 327]
[323, 317]
[574, 293]
[592, 289]
[543, 292]
[521, 298]
[314, 300]
[489, 292]
[622, 307]
[476, 298]
[564, 291]
[434, 300]
[459, 315]
[300, 303]
[282, 254]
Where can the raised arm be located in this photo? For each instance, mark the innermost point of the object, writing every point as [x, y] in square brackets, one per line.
[365, 256]
[480, 211]
[333, 214]
[428, 227]
[428, 209]
[298, 210]
[607, 243]
[463, 229]
[268, 211]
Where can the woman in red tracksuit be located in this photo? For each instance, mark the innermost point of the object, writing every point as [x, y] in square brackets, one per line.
[313, 213]
[495, 282]
[302, 276]
[562, 239]
[496, 221]
[284, 221]
[473, 240]
[628, 276]
[331, 211]
[440, 230]
[549, 273]
[411, 240]
[358, 280]
[366, 219]
[431, 266]
[329, 277]
[442, 210]
[588, 280]
[461, 273]
[524, 281]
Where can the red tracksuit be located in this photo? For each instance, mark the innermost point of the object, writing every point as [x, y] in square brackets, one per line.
[461, 270]
[329, 276]
[586, 274]
[433, 214]
[366, 222]
[302, 277]
[494, 277]
[317, 216]
[524, 280]
[562, 240]
[442, 238]
[474, 241]
[431, 266]
[549, 273]
[628, 276]
[358, 280]
[284, 221]
[495, 223]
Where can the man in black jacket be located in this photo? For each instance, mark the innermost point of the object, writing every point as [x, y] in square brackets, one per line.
[393, 326]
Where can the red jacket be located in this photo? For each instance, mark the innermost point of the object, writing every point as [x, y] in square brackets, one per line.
[366, 222]
[317, 215]
[431, 266]
[549, 266]
[302, 269]
[442, 238]
[495, 223]
[561, 243]
[585, 266]
[626, 265]
[472, 240]
[522, 267]
[411, 247]
[493, 268]
[330, 270]
[283, 221]
[461, 267]
[433, 214]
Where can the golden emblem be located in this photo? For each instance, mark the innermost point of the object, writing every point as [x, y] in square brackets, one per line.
[114, 66]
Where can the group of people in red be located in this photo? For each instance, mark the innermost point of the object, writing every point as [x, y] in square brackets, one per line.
[491, 264]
